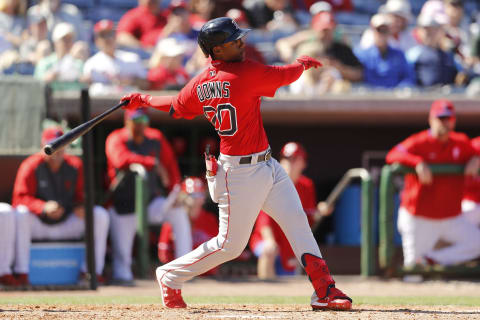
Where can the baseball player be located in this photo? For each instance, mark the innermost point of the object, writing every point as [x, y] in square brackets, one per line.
[137, 143]
[430, 208]
[245, 179]
[204, 223]
[7, 246]
[268, 242]
[48, 198]
[471, 197]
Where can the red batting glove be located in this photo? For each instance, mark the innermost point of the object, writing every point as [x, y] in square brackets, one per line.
[309, 62]
[136, 100]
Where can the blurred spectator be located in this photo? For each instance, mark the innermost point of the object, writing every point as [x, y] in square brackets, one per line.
[201, 12]
[112, 71]
[49, 201]
[134, 145]
[318, 81]
[7, 246]
[430, 208]
[401, 36]
[268, 242]
[36, 45]
[456, 39]
[178, 26]
[56, 12]
[320, 6]
[141, 27]
[471, 197]
[166, 70]
[383, 65]
[270, 15]
[335, 5]
[204, 223]
[80, 51]
[12, 21]
[322, 30]
[60, 66]
[432, 65]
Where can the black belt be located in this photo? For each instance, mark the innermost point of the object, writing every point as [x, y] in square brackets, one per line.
[263, 157]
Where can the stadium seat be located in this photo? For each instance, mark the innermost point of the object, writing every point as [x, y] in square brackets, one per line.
[367, 6]
[102, 12]
[81, 4]
[125, 4]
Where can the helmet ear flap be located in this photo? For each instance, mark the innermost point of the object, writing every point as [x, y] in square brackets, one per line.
[204, 49]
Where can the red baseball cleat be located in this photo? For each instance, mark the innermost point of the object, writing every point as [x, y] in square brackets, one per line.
[171, 298]
[9, 280]
[22, 279]
[325, 296]
[334, 300]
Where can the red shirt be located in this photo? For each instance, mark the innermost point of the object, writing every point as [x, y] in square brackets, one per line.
[160, 77]
[228, 94]
[306, 191]
[35, 183]
[120, 157]
[441, 199]
[143, 25]
[472, 184]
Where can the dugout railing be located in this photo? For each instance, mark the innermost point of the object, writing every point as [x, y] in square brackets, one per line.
[387, 247]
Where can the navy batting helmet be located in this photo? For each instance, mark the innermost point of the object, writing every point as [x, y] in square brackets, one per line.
[218, 31]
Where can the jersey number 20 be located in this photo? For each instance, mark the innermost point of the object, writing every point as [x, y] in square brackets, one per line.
[223, 118]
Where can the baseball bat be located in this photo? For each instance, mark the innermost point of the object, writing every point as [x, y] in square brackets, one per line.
[76, 132]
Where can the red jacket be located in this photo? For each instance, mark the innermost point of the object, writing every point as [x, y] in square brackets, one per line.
[472, 184]
[36, 184]
[441, 199]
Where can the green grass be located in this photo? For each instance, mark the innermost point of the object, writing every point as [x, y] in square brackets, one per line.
[358, 300]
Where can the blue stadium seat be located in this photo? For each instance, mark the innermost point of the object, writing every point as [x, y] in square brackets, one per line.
[353, 18]
[81, 4]
[367, 6]
[100, 12]
[119, 3]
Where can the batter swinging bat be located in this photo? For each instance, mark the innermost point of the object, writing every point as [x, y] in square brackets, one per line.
[76, 132]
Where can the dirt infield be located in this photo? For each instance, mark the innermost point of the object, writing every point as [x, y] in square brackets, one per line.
[298, 287]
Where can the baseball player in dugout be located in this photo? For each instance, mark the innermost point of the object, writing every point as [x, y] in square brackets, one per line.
[430, 208]
[136, 144]
[48, 199]
[268, 242]
[471, 196]
[245, 179]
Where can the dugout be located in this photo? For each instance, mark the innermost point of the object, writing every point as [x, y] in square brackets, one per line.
[338, 132]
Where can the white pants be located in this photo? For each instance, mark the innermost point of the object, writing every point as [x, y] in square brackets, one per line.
[242, 190]
[124, 227]
[471, 211]
[30, 227]
[419, 236]
[7, 238]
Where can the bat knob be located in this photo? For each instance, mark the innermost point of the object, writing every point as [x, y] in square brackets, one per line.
[48, 149]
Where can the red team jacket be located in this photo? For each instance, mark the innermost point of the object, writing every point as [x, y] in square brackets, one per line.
[441, 199]
[36, 184]
[472, 184]
[306, 191]
[229, 96]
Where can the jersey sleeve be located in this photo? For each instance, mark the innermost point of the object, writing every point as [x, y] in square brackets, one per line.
[404, 153]
[25, 189]
[185, 104]
[121, 157]
[265, 80]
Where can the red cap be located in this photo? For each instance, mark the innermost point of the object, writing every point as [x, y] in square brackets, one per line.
[236, 14]
[323, 20]
[442, 108]
[293, 149]
[193, 186]
[103, 25]
[50, 134]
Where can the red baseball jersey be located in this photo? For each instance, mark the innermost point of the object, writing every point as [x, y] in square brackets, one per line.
[228, 94]
[441, 199]
[472, 184]
[306, 191]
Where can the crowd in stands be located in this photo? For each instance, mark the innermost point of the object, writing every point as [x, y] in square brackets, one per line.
[118, 46]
